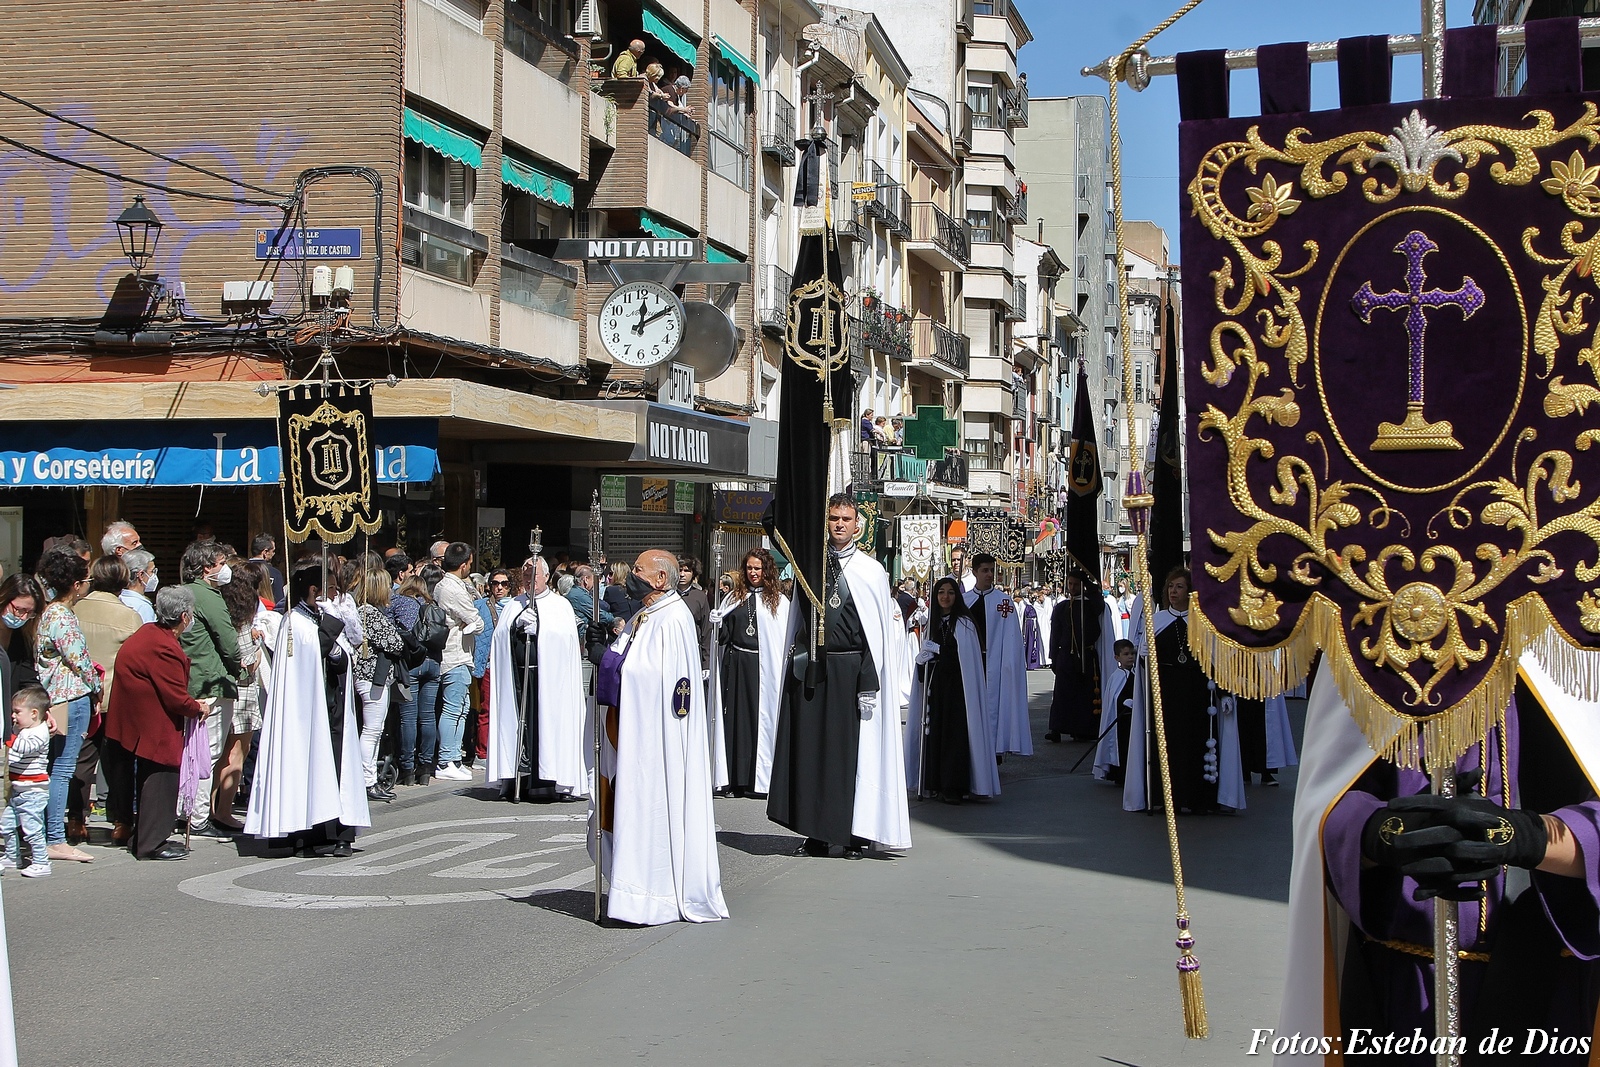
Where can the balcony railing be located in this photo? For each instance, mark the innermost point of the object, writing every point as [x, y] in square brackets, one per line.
[1016, 105]
[539, 284]
[885, 328]
[938, 342]
[963, 124]
[773, 306]
[777, 127]
[540, 45]
[950, 471]
[1018, 302]
[1017, 208]
[679, 131]
[930, 223]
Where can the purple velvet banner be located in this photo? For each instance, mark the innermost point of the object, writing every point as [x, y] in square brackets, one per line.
[1391, 365]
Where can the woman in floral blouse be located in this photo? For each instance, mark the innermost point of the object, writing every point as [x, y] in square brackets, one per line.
[72, 679]
[379, 665]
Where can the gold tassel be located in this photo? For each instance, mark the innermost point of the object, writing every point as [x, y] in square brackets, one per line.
[1190, 990]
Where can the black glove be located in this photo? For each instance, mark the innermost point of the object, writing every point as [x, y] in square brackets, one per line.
[1446, 844]
[1492, 836]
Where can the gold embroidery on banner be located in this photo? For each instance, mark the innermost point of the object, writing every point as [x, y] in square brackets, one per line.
[1427, 617]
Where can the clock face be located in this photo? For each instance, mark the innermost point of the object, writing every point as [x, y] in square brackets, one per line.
[641, 324]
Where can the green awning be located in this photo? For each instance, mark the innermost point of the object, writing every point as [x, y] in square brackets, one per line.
[737, 61]
[657, 26]
[534, 181]
[717, 255]
[452, 144]
[653, 226]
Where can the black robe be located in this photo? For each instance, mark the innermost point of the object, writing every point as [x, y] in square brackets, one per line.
[1185, 700]
[525, 677]
[947, 761]
[335, 677]
[740, 677]
[1074, 630]
[813, 789]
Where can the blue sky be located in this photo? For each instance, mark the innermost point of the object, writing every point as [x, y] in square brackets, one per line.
[1071, 34]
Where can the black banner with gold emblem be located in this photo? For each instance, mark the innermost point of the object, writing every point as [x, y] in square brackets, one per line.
[1083, 484]
[327, 450]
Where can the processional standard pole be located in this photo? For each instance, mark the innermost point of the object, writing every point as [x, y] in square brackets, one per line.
[535, 549]
[597, 562]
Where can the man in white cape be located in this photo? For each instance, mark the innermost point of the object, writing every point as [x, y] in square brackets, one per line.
[556, 738]
[1005, 665]
[657, 834]
[861, 803]
[308, 784]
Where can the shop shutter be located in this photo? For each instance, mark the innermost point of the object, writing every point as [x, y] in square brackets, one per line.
[166, 517]
[628, 533]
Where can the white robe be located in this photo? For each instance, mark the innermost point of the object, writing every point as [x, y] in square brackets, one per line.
[881, 814]
[296, 786]
[985, 773]
[770, 630]
[565, 731]
[1230, 770]
[1005, 673]
[660, 851]
[1280, 736]
[1106, 753]
[1045, 608]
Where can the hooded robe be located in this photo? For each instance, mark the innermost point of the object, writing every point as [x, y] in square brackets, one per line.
[746, 690]
[557, 738]
[947, 695]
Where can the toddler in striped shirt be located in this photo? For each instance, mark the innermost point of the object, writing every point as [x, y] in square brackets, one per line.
[22, 822]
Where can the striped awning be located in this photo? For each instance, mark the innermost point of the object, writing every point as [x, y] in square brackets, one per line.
[659, 25]
[717, 255]
[653, 226]
[448, 142]
[735, 59]
[536, 182]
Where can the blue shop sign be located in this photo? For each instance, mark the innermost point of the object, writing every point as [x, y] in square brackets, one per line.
[337, 242]
[236, 453]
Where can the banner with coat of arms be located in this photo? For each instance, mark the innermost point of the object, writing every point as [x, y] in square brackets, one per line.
[1392, 365]
[327, 447]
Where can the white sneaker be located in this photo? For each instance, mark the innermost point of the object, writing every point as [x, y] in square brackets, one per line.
[452, 772]
[6, 863]
[467, 774]
[36, 870]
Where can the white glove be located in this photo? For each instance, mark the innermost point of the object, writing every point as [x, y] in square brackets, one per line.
[717, 616]
[867, 703]
[529, 623]
[930, 650]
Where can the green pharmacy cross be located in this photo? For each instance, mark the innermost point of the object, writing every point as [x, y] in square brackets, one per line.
[929, 433]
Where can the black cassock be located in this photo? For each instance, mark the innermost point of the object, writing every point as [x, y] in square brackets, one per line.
[948, 759]
[741, 692]
[1074, 629]
[525, 681]
[1185, 704]
[335, 676]
[814, 763]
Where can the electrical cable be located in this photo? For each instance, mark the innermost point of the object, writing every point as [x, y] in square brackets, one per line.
[192, 194]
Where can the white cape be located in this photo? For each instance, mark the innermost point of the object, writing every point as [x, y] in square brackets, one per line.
[881, 814]
[660, 851]
[564, 729]
[1005, 673]
[1230, 770]
[1106, 754]
[985, 773]
[1045, 608]
[1280, 736]
[770, 630]
[296, 786]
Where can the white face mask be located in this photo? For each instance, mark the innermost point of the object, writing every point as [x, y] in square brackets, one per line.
[223, 576]
[151, 582]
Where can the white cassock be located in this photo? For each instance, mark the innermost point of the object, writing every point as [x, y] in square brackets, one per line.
[1006, 673]
[969, 582]
[985, 773]
[1230, 770]
[1106, 753]
[564, 731]
[658, 838]
[1280, 735]
[770, 630]
[296, 784]
[881, 814]
[1045, 608]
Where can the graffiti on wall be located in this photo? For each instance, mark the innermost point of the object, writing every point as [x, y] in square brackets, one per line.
[53, 215]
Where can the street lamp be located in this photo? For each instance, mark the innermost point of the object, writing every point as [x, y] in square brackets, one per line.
[139, 230]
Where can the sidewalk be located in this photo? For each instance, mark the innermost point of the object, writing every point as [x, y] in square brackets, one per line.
[1033, 930]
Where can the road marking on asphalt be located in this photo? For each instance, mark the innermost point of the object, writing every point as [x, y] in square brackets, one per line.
[222, 887]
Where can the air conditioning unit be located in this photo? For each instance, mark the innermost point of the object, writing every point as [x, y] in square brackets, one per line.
[587, 23]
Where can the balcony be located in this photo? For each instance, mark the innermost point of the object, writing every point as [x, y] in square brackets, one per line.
[893, 464]
[538, 304]
[777, 127]
[950, 471]
[885, 328]
[1016, 104]
[963, 124]
[1017, 208]
[1017, 302]
[1019, 397]
[772, 306]
[540, 111]
[938, 239]
[888, 199]
[654, 166]
[938, 350]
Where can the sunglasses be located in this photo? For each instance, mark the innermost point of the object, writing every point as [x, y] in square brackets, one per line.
[499, 581]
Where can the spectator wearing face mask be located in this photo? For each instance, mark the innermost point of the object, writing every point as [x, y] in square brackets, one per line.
[212, 644]
[142, 582]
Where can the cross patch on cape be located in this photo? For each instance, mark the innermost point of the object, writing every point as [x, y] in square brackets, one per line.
[680, 698]
[1005, 608]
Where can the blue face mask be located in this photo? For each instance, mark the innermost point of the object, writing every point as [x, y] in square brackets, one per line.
[13, 622]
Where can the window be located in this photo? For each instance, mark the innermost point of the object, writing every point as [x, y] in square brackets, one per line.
[467, 12]
[981, 225]
[729, 122]
[980, 98]
[444, 189]
[526, 218]
[1138, 392]
[536, 289]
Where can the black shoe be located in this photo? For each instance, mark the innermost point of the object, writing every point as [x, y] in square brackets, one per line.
[725, 791]
[1269, 779]
[422, 776]
[406, 778]
[1052, 736]
[851, 852]
[168, 851]
[211, 830]
[343, 848]
[231, 831]
[812, 847]
[375, 792]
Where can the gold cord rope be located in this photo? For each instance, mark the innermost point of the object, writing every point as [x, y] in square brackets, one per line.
[1195, 1024]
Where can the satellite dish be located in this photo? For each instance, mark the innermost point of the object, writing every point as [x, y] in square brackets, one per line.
[710, 341]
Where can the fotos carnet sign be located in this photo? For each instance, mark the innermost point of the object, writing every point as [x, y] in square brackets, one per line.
[341, 242]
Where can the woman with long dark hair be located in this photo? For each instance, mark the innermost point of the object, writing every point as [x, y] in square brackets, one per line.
[949, 742]
[747, 675]
[69, 674]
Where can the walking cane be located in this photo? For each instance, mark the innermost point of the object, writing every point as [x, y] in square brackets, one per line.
[535, 547]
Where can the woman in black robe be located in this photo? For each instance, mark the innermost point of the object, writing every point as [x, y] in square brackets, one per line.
[1186, 702]
[947, 763]
[739, 629]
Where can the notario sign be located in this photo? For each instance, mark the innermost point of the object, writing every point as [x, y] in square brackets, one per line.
[641, 248]
[678, 444]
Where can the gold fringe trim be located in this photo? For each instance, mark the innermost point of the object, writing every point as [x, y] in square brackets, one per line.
[1408, 740]
[1195, 1025]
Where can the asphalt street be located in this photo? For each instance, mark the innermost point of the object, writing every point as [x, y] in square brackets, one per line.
[1035, 929]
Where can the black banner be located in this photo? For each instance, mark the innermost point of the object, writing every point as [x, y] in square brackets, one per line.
[1083, 483]
[327, 450]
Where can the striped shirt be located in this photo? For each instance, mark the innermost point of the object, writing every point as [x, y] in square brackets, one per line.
[30, 758]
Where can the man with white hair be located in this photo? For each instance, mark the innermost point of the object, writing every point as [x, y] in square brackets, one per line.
[652, 812]
[119, 537]
[536, 679]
